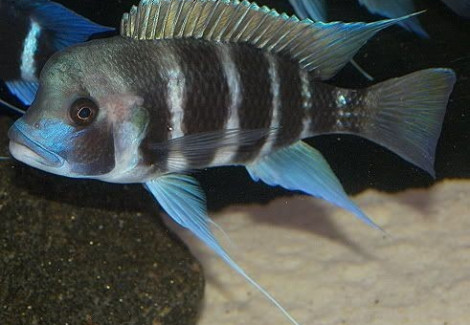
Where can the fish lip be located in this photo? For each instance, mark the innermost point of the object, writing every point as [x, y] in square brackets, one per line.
[32, 149]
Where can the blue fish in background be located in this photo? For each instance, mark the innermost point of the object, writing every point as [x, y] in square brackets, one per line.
[30, 32]
[396, 8]
[192, 84]
[460, 7]
[317, 9]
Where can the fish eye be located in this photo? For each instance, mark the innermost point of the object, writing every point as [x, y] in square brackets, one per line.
[83, 111]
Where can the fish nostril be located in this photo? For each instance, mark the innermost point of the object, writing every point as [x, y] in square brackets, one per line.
[37, 125]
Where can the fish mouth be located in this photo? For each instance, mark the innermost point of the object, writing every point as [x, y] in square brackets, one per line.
[31, 152]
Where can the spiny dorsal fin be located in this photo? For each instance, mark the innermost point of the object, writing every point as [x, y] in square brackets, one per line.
[323, 48]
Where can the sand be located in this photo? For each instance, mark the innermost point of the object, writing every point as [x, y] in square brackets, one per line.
[326, 267]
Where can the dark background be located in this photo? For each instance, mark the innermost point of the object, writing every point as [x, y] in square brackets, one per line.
[358, 163]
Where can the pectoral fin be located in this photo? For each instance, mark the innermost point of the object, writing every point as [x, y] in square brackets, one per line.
[196, 147]
[301, 167]
[183, 199]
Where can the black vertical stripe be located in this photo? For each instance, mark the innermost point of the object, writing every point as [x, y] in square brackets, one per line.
[92, 153]
[292, 111]
[44, 50]
[159, 123]
[143, 62]
[207, 92]
[255, 111]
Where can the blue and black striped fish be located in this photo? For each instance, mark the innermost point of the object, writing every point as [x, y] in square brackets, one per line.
[200, 83]
[30, 32]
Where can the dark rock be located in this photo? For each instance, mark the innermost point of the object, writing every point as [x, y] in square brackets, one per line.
[85, 252]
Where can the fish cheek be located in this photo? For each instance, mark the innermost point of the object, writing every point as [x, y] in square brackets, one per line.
[91, 153]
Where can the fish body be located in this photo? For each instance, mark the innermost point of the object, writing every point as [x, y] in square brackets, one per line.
[30, 32]
[213, 83]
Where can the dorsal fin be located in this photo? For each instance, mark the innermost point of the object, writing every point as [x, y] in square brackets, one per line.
[323, 48]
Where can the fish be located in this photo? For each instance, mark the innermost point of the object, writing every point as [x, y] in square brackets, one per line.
[460, 7]
[30, 32]
[396, 8]
[317, 9]
[194, 84]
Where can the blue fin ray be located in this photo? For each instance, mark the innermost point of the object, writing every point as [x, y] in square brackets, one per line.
[184, 201]
[69, 27]
[303, 168]
[24, 90]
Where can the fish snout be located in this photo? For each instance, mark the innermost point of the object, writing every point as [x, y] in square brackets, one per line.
[25, 148]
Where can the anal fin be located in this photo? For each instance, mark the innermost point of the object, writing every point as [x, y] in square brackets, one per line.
[300, 167]
[183, 199]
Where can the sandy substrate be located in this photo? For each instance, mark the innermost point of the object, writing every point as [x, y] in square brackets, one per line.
[326, 267]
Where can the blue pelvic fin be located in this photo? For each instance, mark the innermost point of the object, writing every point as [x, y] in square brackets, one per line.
[68, 27]
[24, 90]
[313, 9]
[460, 7]
[300, 167]
[184, 201]
[395, 9]
[407, 114]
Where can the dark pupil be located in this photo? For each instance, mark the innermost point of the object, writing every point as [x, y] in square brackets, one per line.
[84, 113]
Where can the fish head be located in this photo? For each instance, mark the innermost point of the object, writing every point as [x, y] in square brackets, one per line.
[82, 124]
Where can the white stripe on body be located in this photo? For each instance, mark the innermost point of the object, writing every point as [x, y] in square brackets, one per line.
[176, 99]
[224, 156]
[276, 104]
[30, 46]
[307, 102]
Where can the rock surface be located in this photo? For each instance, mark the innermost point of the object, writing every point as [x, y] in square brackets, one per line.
[82, 253]
[328, 268]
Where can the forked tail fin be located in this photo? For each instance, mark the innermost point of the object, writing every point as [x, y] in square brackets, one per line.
[406, 114]
[403, 114]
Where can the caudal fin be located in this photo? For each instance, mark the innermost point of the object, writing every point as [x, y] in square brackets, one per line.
[406, 114]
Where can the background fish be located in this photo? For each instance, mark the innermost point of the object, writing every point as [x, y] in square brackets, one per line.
[30, 32]
[317, 9]
[209, 83]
